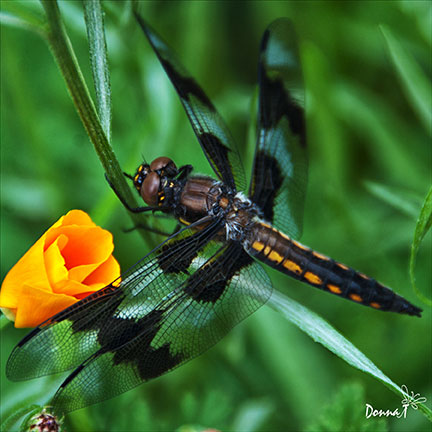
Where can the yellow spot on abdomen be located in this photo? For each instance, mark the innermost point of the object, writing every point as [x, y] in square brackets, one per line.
[343, 266]
[258, 246]
[267, 250]
[355, 297]
[275, 256]
[375, 305]
[334, 289]
[292, 266]
[313, 278]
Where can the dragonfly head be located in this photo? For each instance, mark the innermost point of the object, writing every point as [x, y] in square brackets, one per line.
[150, 180]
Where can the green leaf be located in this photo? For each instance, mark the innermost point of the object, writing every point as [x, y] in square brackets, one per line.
[423, 225]
[20, 16]
[99, 62]
[4, 321]
[28, 411]
[415, 82]
[346, 412]
[393, 197]
[321, 331]
[252, 416]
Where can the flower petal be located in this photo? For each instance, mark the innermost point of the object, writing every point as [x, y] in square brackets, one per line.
[54, 261]
[74, 288]
[70, 261]
[109, 270]
[30, 269]
[47, 305]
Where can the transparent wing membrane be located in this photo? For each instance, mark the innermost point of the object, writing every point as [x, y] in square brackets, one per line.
[279, 175]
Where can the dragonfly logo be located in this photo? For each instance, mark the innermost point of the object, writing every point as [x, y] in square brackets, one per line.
[408, 401]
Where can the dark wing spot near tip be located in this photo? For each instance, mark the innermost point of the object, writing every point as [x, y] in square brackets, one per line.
[155, 362]
[268, 181]
[209, 282]
[275, 102]
[186, 85]
[150, 362]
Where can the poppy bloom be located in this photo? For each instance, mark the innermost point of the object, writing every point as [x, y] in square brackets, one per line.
[70, 261]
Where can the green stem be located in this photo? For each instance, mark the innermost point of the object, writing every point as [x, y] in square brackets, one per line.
[99, 62]
[62, 50]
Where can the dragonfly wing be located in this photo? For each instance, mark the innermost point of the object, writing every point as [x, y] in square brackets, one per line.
[74, 334]
[223, 286]
[213, 134]
[171, 307]
[279, 175]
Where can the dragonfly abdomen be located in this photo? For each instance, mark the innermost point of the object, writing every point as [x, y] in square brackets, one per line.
[300, 262]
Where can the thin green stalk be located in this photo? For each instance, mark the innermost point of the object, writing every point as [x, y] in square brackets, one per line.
[62, 50]
[423, 225]
[99, 62]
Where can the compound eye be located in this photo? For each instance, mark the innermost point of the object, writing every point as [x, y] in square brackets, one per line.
[140, 175]
[143, 169]
[162, 163]
[150, 189]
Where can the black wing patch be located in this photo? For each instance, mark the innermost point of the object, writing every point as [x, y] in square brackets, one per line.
[172, 306]
[183, 324]
[212, 132]
[279, 175]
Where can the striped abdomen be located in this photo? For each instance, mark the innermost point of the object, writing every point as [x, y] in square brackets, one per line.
[292, 258]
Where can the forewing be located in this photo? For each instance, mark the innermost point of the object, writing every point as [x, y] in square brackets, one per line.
[76, 333]
[279, 175]
[221, 287]
[171, 307]
[212, 132]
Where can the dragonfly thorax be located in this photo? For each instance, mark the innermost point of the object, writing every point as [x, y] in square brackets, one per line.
[239, 217]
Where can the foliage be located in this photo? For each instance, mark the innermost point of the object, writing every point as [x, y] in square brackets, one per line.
[366, 123]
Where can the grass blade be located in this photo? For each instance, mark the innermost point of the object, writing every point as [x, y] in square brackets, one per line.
[415, 83]
[23, 15]
[99, 62]
[321, 331]
[64, 54]
[392, 197]
[423, 225]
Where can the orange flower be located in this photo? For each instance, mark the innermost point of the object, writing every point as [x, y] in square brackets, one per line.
[69, 262]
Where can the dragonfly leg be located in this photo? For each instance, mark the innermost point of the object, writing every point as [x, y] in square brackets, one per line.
[122, 200]
[149, 229]
[184, 171]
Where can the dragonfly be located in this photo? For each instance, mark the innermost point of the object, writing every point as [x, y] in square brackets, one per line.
[188, 292]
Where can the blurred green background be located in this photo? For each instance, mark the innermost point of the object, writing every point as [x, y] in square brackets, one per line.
[370, 169]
